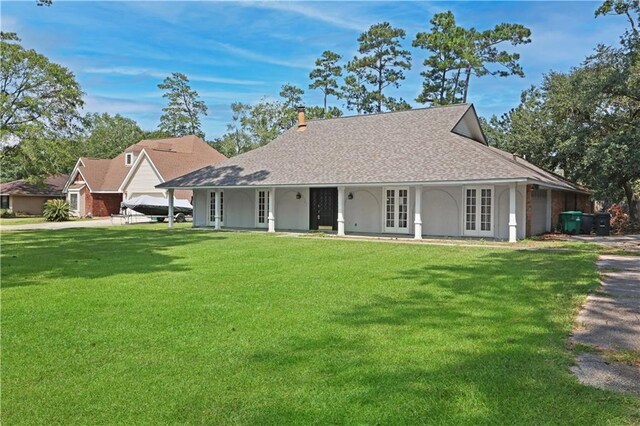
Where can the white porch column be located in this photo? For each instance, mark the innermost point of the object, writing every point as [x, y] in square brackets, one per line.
[170, 195]
[417, 214]
[272, 216]
[216, 212]
[341, 211]
[513, 223]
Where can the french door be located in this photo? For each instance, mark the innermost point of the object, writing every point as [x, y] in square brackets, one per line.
[262, 208]
[478, 211]
[212, 208]
[396, 212]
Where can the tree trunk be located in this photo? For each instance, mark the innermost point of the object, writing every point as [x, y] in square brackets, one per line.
[628, 192]
[443, 83]
[466, 85]
[455, 86]
[324, 109]
[380, 89]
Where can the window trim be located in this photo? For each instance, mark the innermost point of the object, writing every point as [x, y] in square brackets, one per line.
[211, 220]
[128, 158]
[75, 193]
[266, 208]
[8, 198]
[478, 215]
[396, 229]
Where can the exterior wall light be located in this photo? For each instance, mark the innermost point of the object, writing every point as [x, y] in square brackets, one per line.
[298, 196]
[350, 196]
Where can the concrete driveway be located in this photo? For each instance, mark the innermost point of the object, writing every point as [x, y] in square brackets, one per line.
[609, 322]
[627, 242]
[93, 223]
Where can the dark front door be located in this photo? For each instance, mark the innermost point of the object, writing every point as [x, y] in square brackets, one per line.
[323, 208]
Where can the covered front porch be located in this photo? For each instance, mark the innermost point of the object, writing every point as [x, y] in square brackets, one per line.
[482, 210]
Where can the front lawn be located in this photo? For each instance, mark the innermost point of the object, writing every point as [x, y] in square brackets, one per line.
[139, 324]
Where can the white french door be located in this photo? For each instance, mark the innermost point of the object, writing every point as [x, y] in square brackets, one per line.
[262, 208]
[212, 208]
[478, 211]
[396, 211]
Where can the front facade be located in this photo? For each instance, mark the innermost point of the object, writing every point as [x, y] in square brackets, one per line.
[419, 173]
[28, 198]
[97, 187]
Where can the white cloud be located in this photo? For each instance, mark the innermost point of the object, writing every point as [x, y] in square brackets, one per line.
[259, 57]
[96, 103]
[162, 74]
[304, 9]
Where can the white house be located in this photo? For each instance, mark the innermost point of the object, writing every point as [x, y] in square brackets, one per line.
[97, 186]
[419, 172]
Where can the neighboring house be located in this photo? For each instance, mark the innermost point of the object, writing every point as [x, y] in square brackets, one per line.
[421, 172]
[97, 186]
[21, 196]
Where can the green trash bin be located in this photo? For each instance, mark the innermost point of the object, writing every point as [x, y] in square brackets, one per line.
[571, 222]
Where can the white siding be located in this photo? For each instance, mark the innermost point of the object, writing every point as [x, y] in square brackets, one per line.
[143, 181]
[538, 211]
[239, 208]
[501, 221]
[292, 213]
[364, 212]
[442, 211]
[199, 207]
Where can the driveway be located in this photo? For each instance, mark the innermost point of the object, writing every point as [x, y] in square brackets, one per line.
[626, 242]
[93, 223]
[609, 324]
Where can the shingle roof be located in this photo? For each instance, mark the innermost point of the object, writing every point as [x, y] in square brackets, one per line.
[172, 157]
[409, 146]
[51, 187]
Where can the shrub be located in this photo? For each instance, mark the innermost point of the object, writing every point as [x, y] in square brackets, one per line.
[6, 213]
[56, 210]
[620, 221]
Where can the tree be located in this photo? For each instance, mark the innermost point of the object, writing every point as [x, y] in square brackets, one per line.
[106, 136]
[585, 122]
[182, 115]
[292, 97]
[325, 75]
[237, 139]
[355, 92]
[320, 112]
[458, 53]
[33, 90]
[381, 64]
[449, 45]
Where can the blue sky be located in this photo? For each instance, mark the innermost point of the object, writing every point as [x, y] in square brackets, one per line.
[242, 51]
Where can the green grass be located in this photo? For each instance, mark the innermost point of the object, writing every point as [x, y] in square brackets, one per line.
[143, 325]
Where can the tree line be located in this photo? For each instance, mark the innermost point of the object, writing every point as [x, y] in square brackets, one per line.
[585, 123]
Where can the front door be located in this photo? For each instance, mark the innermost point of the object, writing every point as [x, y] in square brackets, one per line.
[323, 208]
[396, 213]
[478, 211]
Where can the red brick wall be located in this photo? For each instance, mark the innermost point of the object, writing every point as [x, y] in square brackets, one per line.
[88, 201]
[105, 204]
[528, 207]
[563, 201]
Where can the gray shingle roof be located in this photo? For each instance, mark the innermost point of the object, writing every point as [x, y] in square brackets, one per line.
[409, 146]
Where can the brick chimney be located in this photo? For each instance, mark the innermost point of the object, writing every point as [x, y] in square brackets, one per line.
[302, 125]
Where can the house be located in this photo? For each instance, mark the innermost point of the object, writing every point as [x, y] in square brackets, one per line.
[97, 186]
[21, 196]
[420, 172]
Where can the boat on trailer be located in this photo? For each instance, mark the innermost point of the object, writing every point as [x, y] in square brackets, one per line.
[158, 207]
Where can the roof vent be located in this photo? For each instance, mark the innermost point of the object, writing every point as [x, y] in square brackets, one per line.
[302, 125]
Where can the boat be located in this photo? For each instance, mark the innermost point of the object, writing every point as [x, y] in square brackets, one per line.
[158, 206]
